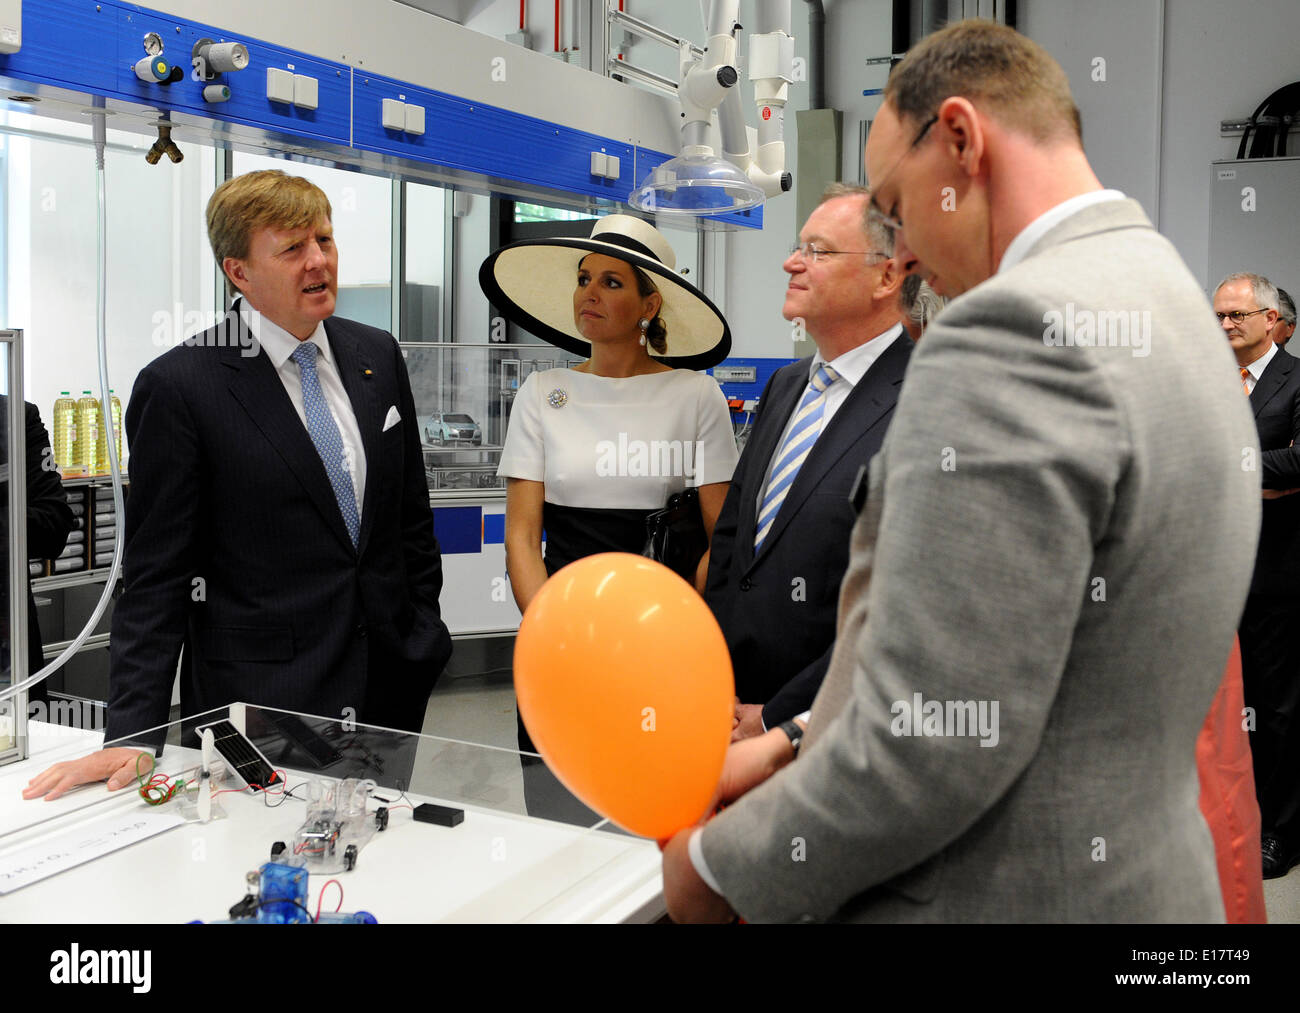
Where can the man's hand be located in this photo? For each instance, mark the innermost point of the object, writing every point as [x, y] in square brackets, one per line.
[1278, 493]
[748, 764]
[751, 762]
[117, 765]
[749, 721]
[689, 898]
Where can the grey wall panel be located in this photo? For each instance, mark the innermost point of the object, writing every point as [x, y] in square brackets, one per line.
[1256, 231]
[1111, 52]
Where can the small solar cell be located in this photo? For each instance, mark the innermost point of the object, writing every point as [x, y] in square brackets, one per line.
[242, 755]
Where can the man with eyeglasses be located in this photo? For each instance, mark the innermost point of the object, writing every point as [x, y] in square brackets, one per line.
[781, 542]
[1286, 318]
[1247, 308]
[1044, 580]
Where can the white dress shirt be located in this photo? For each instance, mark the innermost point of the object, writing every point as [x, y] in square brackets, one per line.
[1048, 220]
[1256, 368]
[852, 366]
[279, 345]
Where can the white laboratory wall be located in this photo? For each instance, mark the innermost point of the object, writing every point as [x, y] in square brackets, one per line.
[1111, 52]
[1217, 62]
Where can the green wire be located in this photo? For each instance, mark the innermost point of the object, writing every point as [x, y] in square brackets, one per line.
[147, 790]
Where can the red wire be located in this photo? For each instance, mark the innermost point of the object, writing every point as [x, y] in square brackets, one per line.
[557, 25]
[522, 20]
[321, 897]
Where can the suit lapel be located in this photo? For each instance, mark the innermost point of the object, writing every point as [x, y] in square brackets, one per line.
[1272, 380]
[255, 384]
[359, 382]
[870, 400]
[776, 415]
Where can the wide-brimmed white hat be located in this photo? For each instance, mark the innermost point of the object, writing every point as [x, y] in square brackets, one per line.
[532, 283]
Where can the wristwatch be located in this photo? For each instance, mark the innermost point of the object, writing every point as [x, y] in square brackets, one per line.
[795, 733]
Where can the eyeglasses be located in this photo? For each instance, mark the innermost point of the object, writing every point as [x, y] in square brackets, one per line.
[1237, 316]
[874, 211]
[813, 252]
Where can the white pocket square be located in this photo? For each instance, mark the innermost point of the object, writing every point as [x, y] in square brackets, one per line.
[392, 419]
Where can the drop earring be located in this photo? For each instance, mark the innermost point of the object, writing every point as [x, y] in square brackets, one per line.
[644, 324]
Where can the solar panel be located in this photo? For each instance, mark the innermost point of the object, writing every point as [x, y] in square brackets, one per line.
[244, 758]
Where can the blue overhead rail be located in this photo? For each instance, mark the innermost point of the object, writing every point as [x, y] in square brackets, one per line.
[81, 48]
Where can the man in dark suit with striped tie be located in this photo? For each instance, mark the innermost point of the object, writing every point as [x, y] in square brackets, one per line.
[781, 543]
[1247, 306]
[278, 526]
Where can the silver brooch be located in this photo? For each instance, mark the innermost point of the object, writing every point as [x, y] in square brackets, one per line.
[557, 398]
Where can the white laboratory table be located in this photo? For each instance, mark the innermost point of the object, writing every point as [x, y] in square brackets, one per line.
[493, 867]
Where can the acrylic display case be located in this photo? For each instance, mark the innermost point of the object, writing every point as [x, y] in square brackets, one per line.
[95, 856]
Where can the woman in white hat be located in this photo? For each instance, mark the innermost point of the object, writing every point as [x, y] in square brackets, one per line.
[591, 450]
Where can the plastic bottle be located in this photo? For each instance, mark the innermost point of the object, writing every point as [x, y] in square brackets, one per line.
[64, 430]
[86, 447]
[101, 445]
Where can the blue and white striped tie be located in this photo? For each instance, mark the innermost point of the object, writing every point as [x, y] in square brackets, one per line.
[789, 459]
[324, 432]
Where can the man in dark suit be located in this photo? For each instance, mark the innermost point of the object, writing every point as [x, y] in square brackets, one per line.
[1285, 326]
[781, 543]
[279, 523]
[49, 522]
[1247, 308]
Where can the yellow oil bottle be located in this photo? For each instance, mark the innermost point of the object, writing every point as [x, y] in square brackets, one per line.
[101, 445]
[64, 434]
[86, 447]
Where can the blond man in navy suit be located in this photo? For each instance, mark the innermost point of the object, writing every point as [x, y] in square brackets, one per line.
[278, 526]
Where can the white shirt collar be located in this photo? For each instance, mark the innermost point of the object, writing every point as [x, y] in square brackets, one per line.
[1257, 367]
[1048, 220]
[278, 343]
[854, 363]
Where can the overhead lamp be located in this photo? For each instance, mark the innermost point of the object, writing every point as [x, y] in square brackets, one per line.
[696, 182]
[699, 182]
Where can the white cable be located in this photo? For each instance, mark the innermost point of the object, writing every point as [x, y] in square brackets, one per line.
[97, 124]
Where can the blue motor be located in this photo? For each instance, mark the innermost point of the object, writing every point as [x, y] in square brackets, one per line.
[281, 899]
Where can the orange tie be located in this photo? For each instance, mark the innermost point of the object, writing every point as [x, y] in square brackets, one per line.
[1245, 375]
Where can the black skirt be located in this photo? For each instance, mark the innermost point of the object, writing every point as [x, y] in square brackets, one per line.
[575, 532]
[572, 533]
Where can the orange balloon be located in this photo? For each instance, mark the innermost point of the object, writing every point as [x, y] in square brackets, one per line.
[625, 685]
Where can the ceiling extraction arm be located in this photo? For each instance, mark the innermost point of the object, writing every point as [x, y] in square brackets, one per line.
[698, 182]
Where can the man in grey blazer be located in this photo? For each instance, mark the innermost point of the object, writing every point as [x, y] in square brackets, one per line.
[1052, 553]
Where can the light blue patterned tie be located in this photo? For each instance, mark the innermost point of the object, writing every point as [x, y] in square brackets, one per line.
[789, 459]
[324, 432]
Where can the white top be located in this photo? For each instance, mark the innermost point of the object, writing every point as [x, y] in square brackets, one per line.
[852, 366]
[603, 442]
[279, 345]
[1256, 368]
[1041, 225]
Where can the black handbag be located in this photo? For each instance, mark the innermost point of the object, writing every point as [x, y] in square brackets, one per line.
[675, 535]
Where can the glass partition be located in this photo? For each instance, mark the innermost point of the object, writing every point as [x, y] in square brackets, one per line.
[463, 398]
